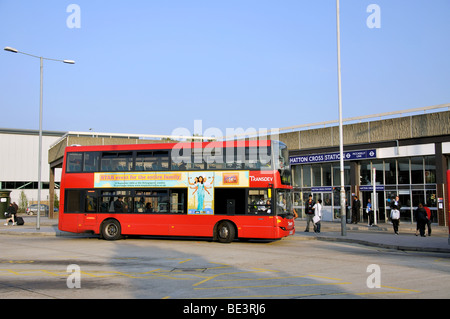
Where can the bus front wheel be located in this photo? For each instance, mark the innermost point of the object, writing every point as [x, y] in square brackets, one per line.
[110, 230]
[226, 232]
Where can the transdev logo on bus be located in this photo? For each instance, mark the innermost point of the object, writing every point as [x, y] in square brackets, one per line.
[259, 179]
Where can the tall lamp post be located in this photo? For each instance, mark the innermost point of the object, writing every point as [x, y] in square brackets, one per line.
[341, 129]
[9, 49]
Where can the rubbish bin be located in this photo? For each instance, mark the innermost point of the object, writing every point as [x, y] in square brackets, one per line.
[4, 202]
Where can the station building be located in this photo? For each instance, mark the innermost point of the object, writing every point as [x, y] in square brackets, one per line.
[408, 150]
[409, 154]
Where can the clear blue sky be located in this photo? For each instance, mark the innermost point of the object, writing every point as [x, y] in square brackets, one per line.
[148, 67]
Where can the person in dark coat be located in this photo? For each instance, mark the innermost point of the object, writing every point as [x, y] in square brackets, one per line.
[421, 219]
[309, 212]
[11, 212]
[356, 207]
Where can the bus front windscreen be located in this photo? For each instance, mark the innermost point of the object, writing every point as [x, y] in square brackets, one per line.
[281, 160]
[283, 204]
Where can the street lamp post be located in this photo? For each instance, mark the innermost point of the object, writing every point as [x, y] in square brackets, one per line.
[341, 129]
[9, 49]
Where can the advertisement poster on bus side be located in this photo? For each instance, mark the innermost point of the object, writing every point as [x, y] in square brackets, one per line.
[231, 179]
[201, 188]
[201, 193]
[140, 179]
[200, 184]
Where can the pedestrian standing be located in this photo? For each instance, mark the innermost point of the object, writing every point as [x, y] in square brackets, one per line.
[395, 211]
[429, 219]
[370, 213]
[395, 218]
[309, 212]
[356, 207]
[317, 215]
[421, 219]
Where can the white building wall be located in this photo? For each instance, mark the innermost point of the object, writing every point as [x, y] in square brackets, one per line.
[19, 161]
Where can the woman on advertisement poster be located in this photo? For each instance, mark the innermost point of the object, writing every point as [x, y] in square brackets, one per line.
[201, 187]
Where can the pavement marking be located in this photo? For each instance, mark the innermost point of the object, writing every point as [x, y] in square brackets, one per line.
[257, 270]
[210, 276]
[266, 278]
[400, 289]
[31, 272]
[277, 286]
[323, 277]
[304, 295]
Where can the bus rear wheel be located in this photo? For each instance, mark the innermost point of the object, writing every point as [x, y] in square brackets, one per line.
[226, 232]
[111, 230]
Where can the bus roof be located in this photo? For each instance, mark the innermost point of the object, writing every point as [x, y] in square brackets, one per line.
[168, 146]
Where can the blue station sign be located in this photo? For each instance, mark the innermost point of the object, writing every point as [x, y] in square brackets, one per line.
[333, 157]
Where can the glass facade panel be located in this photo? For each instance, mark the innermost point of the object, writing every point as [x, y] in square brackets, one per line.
[317, 175]
[365, 173]
[390, 171]
[326, 174]
[417, 170]
[306, 176]
[403, 171]
[430, 170]
[337, 174]
[297, 175]
[378, 165]
[418, 196]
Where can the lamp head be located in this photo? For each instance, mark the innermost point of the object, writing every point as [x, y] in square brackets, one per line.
[11, 49]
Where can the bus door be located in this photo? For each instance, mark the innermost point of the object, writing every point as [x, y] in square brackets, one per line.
[89, 217]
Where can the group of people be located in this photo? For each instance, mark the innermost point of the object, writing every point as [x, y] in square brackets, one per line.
[422, 214]
[313, 212]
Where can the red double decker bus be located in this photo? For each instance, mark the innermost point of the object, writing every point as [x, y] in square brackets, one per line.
[225, 190]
